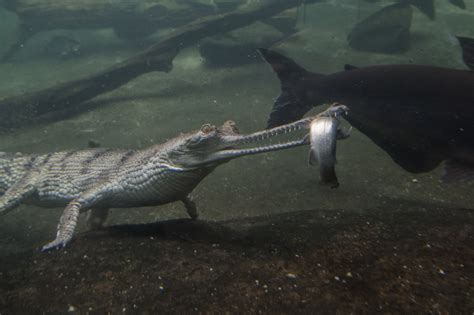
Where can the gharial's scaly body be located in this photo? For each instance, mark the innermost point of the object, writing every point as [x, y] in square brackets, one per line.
[98, 179]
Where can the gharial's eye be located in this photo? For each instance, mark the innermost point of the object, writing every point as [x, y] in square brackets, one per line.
[206, 128]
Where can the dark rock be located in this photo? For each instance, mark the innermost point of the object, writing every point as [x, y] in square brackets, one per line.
[93, 144]
[240, 46]
[285, 22]
[228, 5]
[387, 30]
[62, 47]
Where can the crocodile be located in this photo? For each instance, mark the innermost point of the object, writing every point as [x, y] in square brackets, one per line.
[97, 179]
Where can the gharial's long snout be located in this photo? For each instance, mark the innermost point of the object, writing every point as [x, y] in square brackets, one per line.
[232, 142]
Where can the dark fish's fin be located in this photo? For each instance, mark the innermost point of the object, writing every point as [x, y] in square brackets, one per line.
[455, 171]
[413, 161]
[467, 45]
[312, 160]
[286, 69]
[458, 3]
[348, 67]
[288, 107]
[425, 6]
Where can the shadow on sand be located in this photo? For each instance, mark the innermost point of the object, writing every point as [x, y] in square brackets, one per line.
[418, 259]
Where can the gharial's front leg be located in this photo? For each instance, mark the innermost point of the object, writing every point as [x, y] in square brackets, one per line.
[68, 221]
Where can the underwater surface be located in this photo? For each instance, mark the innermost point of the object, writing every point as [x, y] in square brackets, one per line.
[270, 236]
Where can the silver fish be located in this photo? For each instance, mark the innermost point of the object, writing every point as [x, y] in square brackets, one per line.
[324, 133]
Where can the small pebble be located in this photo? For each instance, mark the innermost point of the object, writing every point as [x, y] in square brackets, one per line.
[291, 275]
[349, 274]
[71, 309]
[337, 278]
[441, 272]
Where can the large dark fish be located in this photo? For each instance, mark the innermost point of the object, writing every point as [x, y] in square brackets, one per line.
[420, 115]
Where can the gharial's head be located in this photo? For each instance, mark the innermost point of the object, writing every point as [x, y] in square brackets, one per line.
[213, 145]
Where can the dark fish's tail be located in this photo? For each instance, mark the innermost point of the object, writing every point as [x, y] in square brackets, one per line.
[289, 106]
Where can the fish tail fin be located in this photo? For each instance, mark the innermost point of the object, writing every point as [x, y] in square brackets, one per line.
[288, 106]
[328, 176]
[456, 171]
[312, 160]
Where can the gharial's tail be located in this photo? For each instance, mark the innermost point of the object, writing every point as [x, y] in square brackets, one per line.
[5, 171]
[289, 106]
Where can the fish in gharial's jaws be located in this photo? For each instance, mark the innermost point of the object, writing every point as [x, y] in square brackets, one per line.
[324, 133]
[420, 115]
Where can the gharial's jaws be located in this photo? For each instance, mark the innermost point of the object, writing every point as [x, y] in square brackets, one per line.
[335, 110]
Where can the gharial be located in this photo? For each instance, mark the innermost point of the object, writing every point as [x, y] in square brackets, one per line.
[100, 178]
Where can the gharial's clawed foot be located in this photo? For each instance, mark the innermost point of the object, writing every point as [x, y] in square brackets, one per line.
[56, 244]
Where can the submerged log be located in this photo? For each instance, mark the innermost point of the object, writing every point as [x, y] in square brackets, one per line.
[40, 15]
[130, 19]
[19, 111]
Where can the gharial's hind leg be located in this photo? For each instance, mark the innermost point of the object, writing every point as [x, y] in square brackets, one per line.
[67, 225]
[190, 207]
[68, 221]
[96, 218]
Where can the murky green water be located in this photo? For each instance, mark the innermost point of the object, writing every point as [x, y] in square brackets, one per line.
[158, 106]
